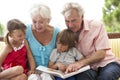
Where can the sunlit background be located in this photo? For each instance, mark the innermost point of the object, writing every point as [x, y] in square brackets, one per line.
[20, 9]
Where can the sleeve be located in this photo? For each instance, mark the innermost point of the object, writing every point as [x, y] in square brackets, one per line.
[57, 30]
[101, 40]
[77, 54]
[53, 56]
[27, 30]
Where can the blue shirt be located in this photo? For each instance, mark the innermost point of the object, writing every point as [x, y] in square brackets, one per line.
[41, 53]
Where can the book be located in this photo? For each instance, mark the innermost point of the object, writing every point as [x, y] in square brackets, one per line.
[60, 73]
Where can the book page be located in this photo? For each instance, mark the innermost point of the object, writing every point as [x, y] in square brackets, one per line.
[57, 71]
[60, 73]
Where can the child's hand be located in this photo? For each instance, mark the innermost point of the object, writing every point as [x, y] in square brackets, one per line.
[31, 72]
[1, 69]
[61, 67]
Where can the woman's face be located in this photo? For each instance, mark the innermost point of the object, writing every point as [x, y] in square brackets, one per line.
[39, 23]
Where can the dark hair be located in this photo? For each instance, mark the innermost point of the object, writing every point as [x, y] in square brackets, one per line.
[14, 24]
[67, 37]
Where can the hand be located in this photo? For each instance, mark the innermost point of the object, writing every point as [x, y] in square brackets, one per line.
[30, 72]
[61, 67]
[73, 67]
[1, 69]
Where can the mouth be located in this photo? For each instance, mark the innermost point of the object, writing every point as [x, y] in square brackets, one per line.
[58, 50]
[38, 30]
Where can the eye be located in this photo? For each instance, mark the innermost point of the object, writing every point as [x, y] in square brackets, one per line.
[66, 21]
[74, 20]
[34, 22]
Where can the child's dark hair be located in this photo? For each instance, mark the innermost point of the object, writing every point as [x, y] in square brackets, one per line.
[67, 37]
[14, 24]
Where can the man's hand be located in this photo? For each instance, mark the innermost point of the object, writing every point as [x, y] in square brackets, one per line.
[73, 67]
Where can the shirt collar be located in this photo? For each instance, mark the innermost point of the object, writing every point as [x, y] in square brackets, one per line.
[85, 25]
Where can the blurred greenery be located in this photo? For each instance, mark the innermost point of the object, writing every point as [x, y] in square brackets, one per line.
[111, 15]
[2, 28]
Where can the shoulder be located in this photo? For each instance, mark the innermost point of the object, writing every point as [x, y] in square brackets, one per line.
[56, 29]
[54, 50]
[28, 26]
[25, 42]
[94, 23]
[6, 49]
[28, 30]
[73, 49]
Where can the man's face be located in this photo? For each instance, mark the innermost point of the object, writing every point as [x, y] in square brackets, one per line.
[73, 21]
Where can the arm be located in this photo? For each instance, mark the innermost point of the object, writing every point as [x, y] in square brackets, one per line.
[99, 42]
[30, 58]
[95, 57]
[57, 66]
[52, 60]
[52, 65]
[3, 54]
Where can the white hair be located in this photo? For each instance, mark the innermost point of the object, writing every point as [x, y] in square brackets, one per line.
[68, 7]
[41, 10]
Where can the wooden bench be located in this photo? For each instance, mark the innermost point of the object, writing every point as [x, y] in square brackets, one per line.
[114, 39]
[1, 38]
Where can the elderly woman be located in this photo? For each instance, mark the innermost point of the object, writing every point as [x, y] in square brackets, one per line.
[41, 36]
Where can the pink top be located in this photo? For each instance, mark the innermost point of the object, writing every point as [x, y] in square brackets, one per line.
[16, 57]
[94, 37]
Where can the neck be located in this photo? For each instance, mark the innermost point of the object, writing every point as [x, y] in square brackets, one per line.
[79, 31]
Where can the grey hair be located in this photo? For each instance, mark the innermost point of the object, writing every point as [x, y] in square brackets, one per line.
[68, 7]
[41, 10]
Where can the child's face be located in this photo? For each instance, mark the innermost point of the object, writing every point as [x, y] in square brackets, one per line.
[61, 47]
[17, 35]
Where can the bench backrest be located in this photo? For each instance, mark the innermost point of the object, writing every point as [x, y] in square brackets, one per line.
[114, 39]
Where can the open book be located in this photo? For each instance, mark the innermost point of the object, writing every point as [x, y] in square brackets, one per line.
[61, 74]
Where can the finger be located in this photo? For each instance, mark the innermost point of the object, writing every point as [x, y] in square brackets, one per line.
[66, 71]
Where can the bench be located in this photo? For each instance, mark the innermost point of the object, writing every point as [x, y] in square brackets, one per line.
[114, 39]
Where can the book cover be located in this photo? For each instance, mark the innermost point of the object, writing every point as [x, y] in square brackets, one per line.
[61, 74]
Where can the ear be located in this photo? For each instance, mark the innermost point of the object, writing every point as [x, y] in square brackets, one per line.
[10, 34]
[48, 21]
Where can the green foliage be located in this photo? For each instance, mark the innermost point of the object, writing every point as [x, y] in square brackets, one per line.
[1, 29]
[111, 15]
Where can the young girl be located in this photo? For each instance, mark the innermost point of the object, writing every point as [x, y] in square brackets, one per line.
[65, 53]
[16, 53]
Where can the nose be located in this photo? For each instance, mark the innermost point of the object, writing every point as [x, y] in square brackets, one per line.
[70, 24]
[60, 46]
[37, 25]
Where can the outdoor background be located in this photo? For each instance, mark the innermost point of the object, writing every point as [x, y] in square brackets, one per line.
[107, 11]
[20, 9]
